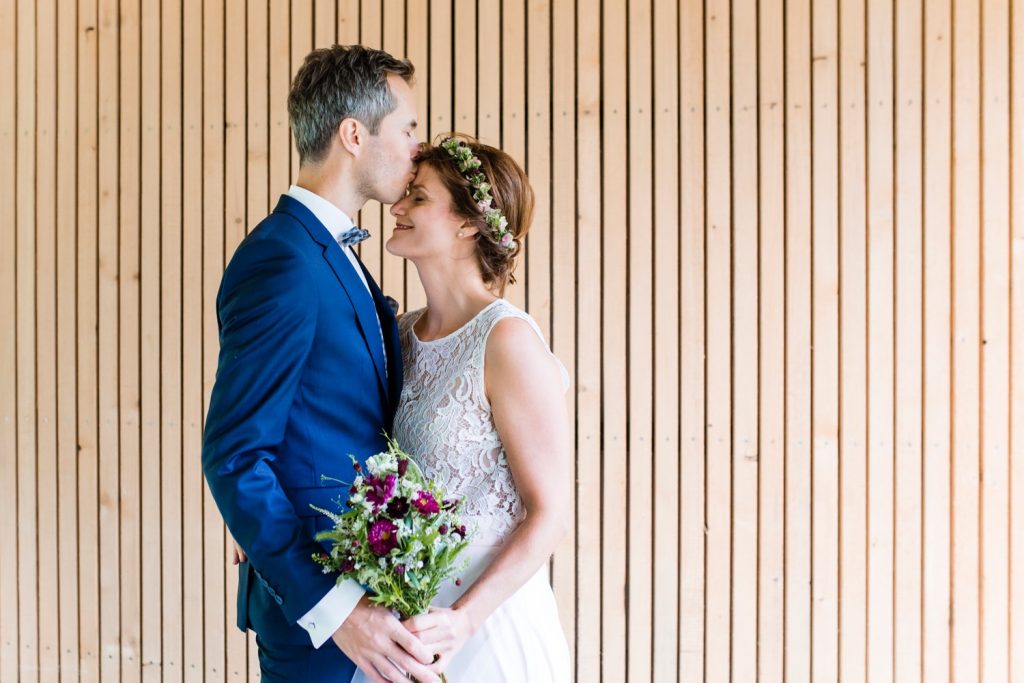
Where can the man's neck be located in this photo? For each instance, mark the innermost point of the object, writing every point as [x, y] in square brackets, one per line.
[333, 184]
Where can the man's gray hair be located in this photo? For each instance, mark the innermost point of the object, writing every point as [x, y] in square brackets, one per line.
[336, 83]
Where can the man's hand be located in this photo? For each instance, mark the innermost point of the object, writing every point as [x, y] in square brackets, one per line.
[380, 646]
[237, 554]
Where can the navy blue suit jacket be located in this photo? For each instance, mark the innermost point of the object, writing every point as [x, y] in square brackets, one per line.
[301, 384]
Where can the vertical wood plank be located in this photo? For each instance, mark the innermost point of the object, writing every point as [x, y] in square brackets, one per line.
[465, 66]
[216, 594]
[348, 23]
[150, 366]
[392, 267]
[718, 341]
[825, 341]
[965, 639]
[257, 172]
[192, 482]
[279, 145]
[665, 556]
[1016, 350]
[536, 261]
[563, 278]
[25, 344]
[172, 630]
[509, 110]
[937, 502]
[417, 40]
[772, 344]
[588, 326]
[745, 465]
[88, 456]
[324, 24]
[491, 74]
[8, 338]
[301, 27]
[67, 442]
[798, 340]
[440, 112]
[129, 397]
[235, 227]
[370, 218]
[853, 530]
[692, 537]
[109, 313]
[46, 334]
[995, 338]
[625, 404]
[880, 340]
[908, 484]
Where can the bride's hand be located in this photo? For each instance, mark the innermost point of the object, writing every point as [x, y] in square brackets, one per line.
[443, 631]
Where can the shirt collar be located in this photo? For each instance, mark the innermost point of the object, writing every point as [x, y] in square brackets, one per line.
[333, 218]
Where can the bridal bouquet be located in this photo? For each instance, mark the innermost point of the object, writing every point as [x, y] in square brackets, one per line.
[399, 537]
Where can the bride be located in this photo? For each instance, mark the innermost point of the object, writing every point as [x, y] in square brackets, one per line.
[483, 411]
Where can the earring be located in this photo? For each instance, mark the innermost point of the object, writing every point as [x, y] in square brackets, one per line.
[462, 233]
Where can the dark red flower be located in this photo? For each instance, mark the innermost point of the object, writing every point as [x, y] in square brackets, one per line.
[382, 536]
[380, 490]
[398, 507]
[403, 465]
[426, 503]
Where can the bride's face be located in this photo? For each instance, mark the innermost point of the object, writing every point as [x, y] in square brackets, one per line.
[425, 225]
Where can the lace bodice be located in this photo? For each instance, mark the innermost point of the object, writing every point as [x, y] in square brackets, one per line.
[444, 420]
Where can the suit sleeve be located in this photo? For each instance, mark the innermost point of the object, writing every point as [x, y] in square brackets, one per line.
[267, 314]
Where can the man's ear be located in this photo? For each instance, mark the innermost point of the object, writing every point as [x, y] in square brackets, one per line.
[352, 135]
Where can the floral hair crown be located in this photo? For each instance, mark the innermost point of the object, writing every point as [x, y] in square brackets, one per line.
[469, 165]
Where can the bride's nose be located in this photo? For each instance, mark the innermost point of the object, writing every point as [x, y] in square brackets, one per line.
[398, 208]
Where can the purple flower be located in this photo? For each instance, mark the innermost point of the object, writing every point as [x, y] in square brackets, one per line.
[506, 240]
[443, 529]
[398, 507]
[425, 503]
[382, 536]
[400, 569]
[347, 566]
[380, 490]
[403, 465]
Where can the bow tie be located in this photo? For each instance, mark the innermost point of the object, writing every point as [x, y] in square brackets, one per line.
[353, 236]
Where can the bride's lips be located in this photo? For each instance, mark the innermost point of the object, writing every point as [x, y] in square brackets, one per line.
[402, 226]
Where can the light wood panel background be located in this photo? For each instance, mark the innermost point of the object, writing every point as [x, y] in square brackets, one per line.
[779, 245]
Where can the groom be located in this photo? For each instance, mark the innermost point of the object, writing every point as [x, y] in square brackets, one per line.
[310, 371]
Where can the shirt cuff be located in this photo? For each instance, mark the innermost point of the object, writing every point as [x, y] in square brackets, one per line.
[327, 616]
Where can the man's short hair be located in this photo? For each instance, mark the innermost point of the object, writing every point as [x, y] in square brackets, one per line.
[336, 83]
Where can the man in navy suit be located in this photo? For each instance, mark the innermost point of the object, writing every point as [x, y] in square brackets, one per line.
[310, 371]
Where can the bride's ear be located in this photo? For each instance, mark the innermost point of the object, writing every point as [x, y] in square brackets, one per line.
[468, 229]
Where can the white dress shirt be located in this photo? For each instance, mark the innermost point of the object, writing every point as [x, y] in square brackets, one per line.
[334, 608]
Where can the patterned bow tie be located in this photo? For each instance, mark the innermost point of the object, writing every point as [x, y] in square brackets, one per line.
[353, 236]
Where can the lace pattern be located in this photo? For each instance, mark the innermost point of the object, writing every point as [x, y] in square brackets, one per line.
[445, 421]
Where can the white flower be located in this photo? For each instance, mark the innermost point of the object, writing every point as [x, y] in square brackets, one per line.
[382, 463]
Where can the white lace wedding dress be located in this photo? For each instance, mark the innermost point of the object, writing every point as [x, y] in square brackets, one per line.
[445, 420]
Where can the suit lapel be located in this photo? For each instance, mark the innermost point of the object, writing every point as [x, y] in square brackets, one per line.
[389, 327]
[362, 303]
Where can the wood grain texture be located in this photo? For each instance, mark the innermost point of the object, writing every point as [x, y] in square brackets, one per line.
[779, 247]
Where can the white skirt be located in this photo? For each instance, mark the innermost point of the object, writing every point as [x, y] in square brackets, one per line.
[522, 640]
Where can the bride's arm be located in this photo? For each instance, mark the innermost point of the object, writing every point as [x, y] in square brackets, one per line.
[524, 387]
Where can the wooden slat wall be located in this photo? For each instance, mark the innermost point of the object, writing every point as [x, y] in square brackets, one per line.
[779, 246]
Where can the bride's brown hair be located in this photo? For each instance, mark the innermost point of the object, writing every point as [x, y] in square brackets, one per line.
[511, 191]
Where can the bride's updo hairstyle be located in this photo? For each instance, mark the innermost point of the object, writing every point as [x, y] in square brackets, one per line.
[511, 194]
